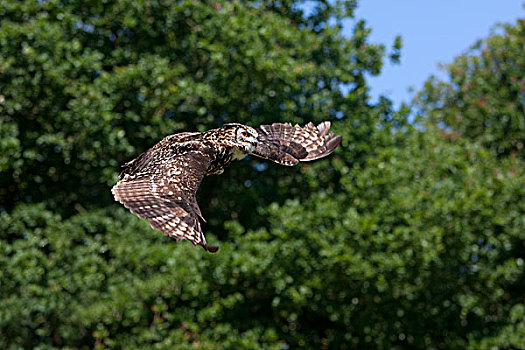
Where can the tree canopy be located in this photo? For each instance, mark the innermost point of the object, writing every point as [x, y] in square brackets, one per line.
[483, 98]
[406, 237]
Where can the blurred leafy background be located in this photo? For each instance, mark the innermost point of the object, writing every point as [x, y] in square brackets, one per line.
[412, 235]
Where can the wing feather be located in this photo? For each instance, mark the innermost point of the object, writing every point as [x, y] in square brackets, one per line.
[161, 187]
[288, 145]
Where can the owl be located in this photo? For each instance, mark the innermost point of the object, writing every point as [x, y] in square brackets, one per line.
[160, 185]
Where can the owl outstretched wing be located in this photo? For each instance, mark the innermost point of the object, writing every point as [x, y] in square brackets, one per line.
[286, 144]
[161, 188]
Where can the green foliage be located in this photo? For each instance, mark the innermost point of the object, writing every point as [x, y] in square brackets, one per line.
[401, 239]
[86, 86]
[484, 97]
[421, 247]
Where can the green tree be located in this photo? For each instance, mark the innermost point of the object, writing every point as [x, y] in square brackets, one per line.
[484, 96]
[421, 246]
[86, 86]
[401, 239]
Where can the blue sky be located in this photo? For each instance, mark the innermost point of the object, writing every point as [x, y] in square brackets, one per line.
[433, 32]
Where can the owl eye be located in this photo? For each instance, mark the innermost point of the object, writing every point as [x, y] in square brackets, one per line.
[244, 134]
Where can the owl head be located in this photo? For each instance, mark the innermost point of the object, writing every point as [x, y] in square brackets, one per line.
[238, 135]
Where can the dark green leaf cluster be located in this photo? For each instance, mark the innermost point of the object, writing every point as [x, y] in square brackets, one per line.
[401, 239]
[421, 247]
[86, 86]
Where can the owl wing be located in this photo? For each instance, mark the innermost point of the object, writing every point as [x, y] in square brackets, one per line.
[286, 144]
[162, 190]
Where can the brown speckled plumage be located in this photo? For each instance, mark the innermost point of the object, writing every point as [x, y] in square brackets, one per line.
[160, 184]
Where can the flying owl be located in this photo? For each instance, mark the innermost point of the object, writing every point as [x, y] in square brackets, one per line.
[160, 185]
